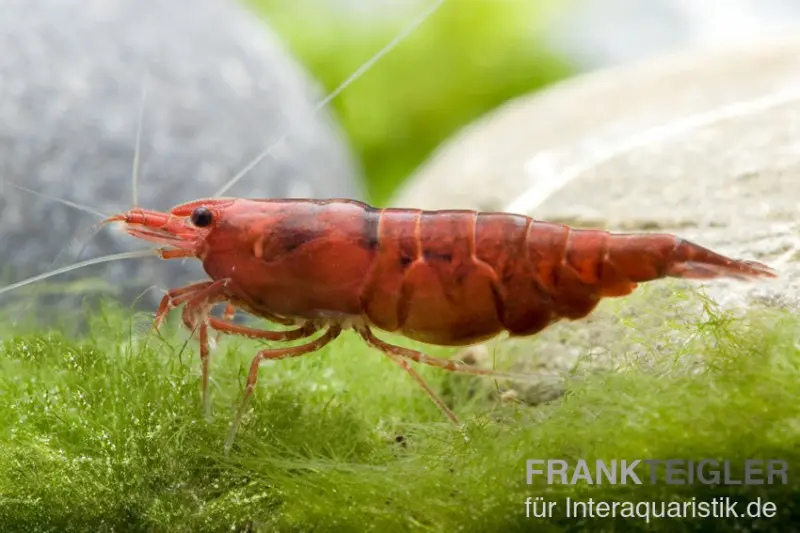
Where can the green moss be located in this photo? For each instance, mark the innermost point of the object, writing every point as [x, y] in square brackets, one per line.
[107, 433]
[466, 59]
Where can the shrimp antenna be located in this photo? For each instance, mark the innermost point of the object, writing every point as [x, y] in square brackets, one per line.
[138, 149]
[422, 17]
[74, 205]
[76, 266]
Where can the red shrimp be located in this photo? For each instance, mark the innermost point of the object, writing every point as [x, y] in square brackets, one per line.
[451, 278]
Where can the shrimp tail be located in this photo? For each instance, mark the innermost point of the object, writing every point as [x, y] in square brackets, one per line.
[647, 257]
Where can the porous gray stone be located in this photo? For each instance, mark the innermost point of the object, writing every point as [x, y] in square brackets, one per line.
[220, 87]
[705, 145]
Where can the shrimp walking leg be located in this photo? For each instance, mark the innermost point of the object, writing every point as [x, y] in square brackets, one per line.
[401, 356]
[199, 302]
[446, 364]
[195, 317]
[199, 299]
[275, 354]
[405, 365]
[224, 326]
[227, 316]
[392, 352]
[171, 300]
[205, 356]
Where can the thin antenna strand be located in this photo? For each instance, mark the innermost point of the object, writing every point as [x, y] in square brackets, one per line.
[325, 101]
[76, 266]
[89, 235]
[137, 151]
[79, 207]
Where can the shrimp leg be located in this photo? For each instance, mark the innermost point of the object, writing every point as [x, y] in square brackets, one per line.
[405, 365]
[401, 356]
[225, 326]
[173, 299]
[176, 297]
[227, 316]
[222, 326]
[395, 354]
[198, 304]
[274, 354]
[446, 364]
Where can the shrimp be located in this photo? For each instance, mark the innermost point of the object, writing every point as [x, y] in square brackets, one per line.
[449, 278]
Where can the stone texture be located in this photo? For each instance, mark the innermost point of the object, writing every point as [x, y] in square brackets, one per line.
[705, 144]
[220, 88]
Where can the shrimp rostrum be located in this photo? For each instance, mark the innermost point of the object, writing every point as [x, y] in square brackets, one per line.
[450, 278]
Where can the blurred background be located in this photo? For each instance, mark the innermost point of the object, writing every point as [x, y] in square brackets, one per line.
[474, 55]
[469, 57]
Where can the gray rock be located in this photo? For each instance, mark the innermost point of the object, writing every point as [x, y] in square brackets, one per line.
[220, 88]
[704, 145]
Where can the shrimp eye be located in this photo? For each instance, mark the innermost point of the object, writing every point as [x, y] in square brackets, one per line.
[201, 217]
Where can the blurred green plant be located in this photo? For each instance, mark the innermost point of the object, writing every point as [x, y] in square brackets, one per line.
[465, 60]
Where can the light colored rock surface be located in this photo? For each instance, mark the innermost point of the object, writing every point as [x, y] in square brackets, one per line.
[598, 33]
[493, 161]
[220, 88]
[705, 145]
